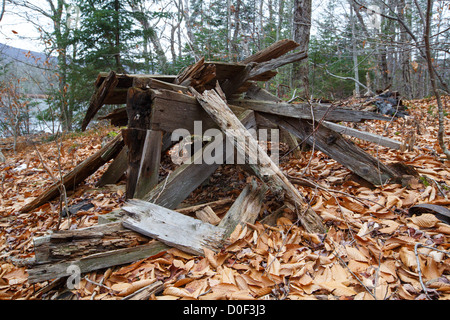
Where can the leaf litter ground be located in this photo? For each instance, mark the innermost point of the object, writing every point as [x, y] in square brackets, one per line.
[373, 248]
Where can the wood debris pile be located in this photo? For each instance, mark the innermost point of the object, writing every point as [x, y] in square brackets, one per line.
[292, 252]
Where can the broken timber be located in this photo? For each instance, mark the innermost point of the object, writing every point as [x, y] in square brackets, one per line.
[158, 105]
[80, 173]
[174, 229]
[89, 249]
[269, 171]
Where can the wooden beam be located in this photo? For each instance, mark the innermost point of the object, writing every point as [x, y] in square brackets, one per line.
[273, 64]
[307, 111]
[265, 168]
[274, 51]
[79, 173]
[98, 98]
[94, 261]
[116, 169]
[172, 228]
[126, 80]
[144, 144]
[148, 173]
[340, 149]
[367, 136]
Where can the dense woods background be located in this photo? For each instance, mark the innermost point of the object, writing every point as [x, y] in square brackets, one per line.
[354, 46]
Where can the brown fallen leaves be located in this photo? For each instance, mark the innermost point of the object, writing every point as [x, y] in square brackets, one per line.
[373, 248]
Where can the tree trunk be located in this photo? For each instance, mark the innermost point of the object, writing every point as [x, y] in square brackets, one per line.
[405, 53]
[354, 53]
[301, 31]
[441, 131]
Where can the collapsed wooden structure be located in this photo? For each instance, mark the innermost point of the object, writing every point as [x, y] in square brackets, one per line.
[220, 95]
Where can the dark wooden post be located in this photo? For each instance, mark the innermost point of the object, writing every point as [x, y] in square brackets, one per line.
[144, 145]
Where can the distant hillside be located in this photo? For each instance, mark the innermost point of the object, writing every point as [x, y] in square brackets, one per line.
[29, 65]
[20, 55]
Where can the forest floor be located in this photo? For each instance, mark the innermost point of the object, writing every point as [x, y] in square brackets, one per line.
[371, 249]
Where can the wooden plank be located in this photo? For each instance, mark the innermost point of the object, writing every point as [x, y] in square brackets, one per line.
[95, 261]
[197, 207]
[78, 174]
[172, 228]
[98, 98]
[148, 173]
[189, 72]
[167, 103]
[367, 136]
[264, 167]
[274, 51]
[144, 145]
[307, 111]
[126, 80]
[150, 83]
[245, 209]
[257, 93]
[273, 64]
[340, 149]
[116, 169]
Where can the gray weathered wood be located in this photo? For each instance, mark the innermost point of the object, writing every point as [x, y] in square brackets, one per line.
[259, 161]
[367, 136]
[306, 111]
[95, 261]
[267, 66]
[172, 228]
[245, 209]
[71, 244]
[149, 167]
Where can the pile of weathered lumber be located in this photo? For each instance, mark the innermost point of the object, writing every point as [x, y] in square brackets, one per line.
[221, 95]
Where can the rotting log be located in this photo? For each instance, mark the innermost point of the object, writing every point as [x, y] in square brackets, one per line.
[99, 97]
[262, 165]
[72, 244]
[79, 173]
[94, 261]
[172, 228]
